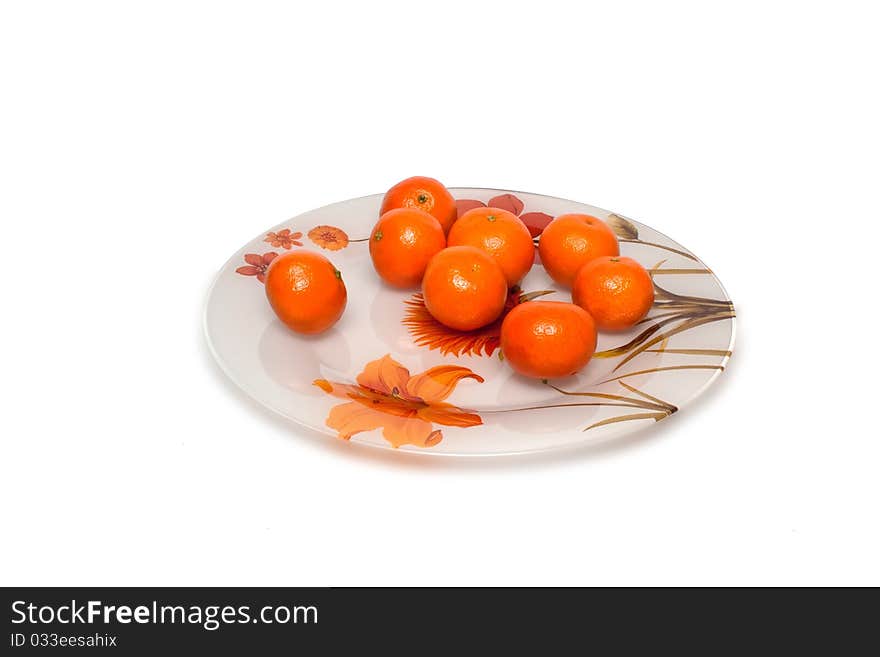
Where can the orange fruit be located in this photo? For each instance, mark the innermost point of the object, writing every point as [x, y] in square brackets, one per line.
[464, 288]
[615, 290]
[426, 194]
[500, 234]
[570, 241]
[402, 243]
[306, 291]
[547, 339]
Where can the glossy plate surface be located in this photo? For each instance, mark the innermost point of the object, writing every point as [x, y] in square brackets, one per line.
[387, 375]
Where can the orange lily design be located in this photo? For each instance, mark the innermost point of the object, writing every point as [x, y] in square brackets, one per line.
[405, 407]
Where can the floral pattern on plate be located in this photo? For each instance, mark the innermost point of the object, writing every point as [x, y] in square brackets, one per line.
[405, 407]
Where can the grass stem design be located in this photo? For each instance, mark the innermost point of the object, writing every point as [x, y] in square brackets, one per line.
[677, 314]
[655, 409]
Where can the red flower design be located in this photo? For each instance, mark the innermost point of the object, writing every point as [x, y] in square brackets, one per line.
[536, 222]
[428, 332]
[257, 265]
[283, 238]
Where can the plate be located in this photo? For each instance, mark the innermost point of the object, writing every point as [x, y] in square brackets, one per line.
[389, 376]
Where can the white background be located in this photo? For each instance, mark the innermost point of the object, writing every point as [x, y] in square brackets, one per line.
[142, 143]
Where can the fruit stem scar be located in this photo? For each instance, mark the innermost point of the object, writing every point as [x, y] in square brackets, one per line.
[377, 235]
[338, 274]
[491, 217]
[422, 198]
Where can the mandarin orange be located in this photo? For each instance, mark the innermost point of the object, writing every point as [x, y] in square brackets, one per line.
[464, 288]
[570, 241]
[617, 291]
[426, 194]
[548, 339]
[402, 243]
[500, 234]
[306, 291]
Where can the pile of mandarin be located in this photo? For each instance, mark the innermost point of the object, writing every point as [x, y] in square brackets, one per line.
[466, 267]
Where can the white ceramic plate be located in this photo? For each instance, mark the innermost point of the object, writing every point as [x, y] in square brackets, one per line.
[475, 405]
